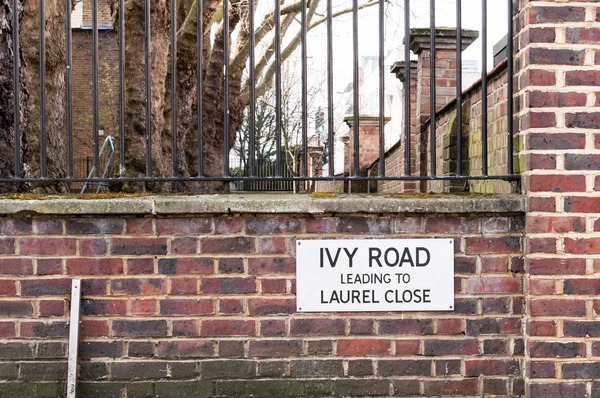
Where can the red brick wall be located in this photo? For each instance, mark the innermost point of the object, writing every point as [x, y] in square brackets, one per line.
[558, 118]
[205, 305]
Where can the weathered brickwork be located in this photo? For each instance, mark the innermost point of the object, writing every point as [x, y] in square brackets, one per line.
[557, 113]
[202, 306]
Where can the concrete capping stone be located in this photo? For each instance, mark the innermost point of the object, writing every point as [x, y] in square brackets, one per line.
[266, 204]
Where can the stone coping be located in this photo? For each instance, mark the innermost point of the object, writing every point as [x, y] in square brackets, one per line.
[267, 204]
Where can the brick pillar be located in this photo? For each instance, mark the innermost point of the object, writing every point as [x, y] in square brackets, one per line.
[368, 145]
[398, 70]
[445, 80]
[558, 121]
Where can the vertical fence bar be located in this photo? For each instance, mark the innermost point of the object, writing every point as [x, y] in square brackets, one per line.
[42, 38]
[252, 110]
[458, 87]
[16, 88]
[303, 30]
[355, 82]
[432, 93]
[147, 49]
[68, 113]
[121, 88]
[173, 87]
[510, 88]
[330, 135]
[277, 88]
[95, 85]
[407, 77]
[199, 71]
[381, 88]
[484, 90]
[226, 88]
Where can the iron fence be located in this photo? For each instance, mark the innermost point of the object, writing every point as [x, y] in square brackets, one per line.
[255, 175]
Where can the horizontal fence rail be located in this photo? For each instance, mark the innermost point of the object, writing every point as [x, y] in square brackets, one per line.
[189, 154]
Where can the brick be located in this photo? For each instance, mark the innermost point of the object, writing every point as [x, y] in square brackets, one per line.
[45, 287]
[551, 56]
[581, 204]
[361, 387]
[543, 99]
[241, 245]
[583, 120]
[188, 389]
[542, 286]
[542, 370]
[15, 226]
[222, 327]
[270, 226]
[94, 226]
[142, 307]
[92, 247]
[231, 306]
[539, 14]
[228, 369]
[581, 329]
[491, 367]
[550, 307]
[43, 370]
[461, 347]
[320, 225]
[582, 245]
[271, 265]
[465, 265]
[508, 244]
[542, 204]
[184, 246]
[562, 390]
[316, 368]
[363, 347]
[364, 225]
[544, 224]
[231, 265]
[186, 266]
[317, 327]
[539, 77]
[7, 288]
[542, 328]
[138, 370]
[16, 266]
[450, 387]
[590, 287]
[406, 326]
[183, 286]
[493, 326]
[452, 225]
[229, 225]
[9, 371]
[557, 183]
[272, 327]
[540, 35]
[265, 306]
[407, 347]
[557, 266]
[274, 286]
[400, 367]
[93, 287]
[49, 266]
[103, 307]
[582, 162]
[239, 285]
[94, 266]
[449, 326]
[581, 370]
[138, 246]
[185, 327]
[447, 367]
[543, 349]
[7, 329]
[140, 328]
[94, 328]
[582, 77]
[14, 350]
[275, 348]
[44, 329]
[142, 286]
[495, 386]
[495, 347]
[493, 265]
[101, 349]
[271, 245]
[140, 349]
[184, 349]
[361, 326]
[184, 226]
[47, 246]
[7, 246]
[187, 307]
[139, 226]
[492, 285]
[539, 120]
[542, 245]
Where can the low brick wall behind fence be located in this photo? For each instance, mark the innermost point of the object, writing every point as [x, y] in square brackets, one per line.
[203, 305]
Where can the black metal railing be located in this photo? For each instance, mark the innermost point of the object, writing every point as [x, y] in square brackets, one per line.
[254, 170]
